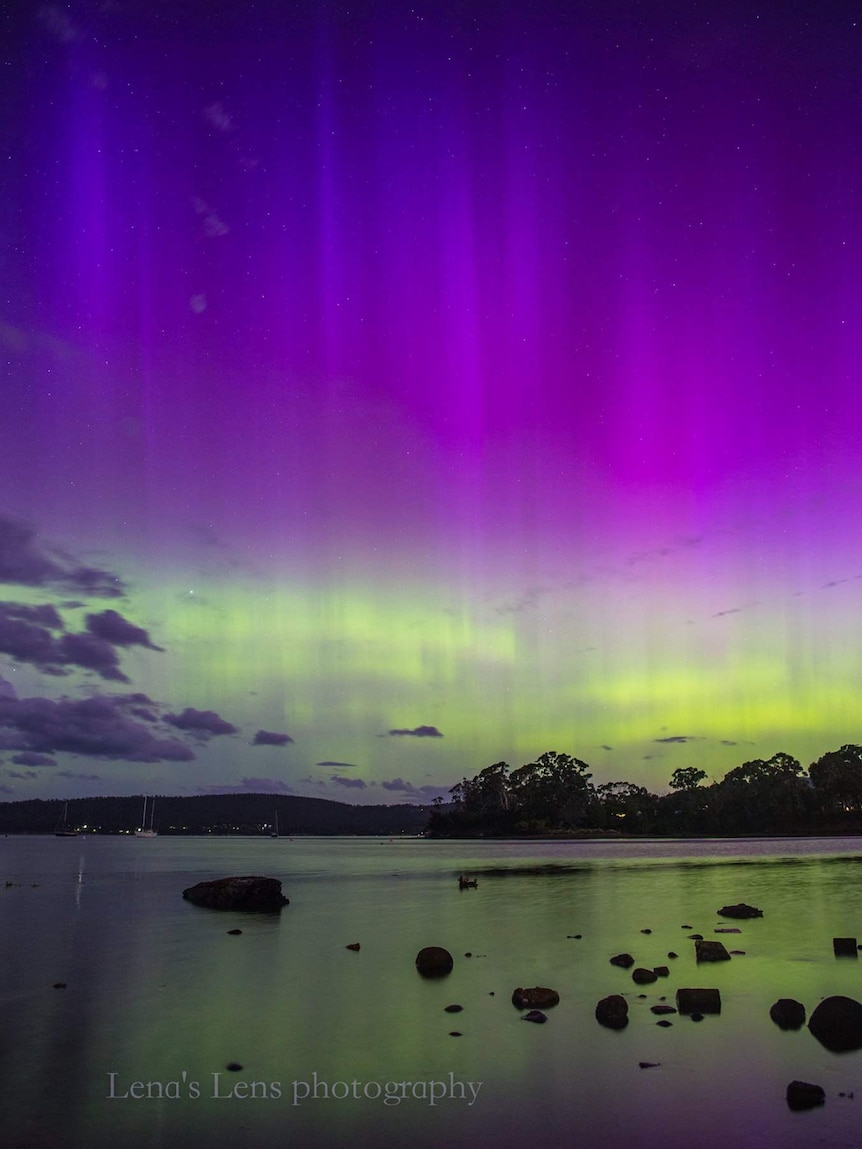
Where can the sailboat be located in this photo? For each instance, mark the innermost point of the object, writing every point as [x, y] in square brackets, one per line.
[145, 830]
[274, 833]
[62, 830]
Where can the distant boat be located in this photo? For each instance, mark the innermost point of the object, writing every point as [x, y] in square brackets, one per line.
[274, 833]
[62, 830]
[145, 830]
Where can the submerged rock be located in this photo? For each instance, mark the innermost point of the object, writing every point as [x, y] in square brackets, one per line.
[535, 1015]
[613, 1012]
[539, 997]
[740, 910]
[804, 1095]
[434, 961]
[837, 1024]
[254, 894]
[711, 951]
[788, 1013]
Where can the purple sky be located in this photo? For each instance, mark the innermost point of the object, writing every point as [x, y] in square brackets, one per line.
[392, 389]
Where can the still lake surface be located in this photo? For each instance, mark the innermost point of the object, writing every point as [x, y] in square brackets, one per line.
[158, 992]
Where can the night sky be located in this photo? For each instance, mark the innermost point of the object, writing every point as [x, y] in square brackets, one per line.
[393, 388]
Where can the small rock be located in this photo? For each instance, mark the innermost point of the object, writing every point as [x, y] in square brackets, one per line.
[737, 953]
[468, 954]
[455, 1033]
[613, 1012]
[434, 961]
[535, 1015]
[649, 1064]
[59, 985]
[661, 971]
[355, 946]
[664, 1023]
[787, 1013]
[686, 927]
[696, 1016]
[233, 1066]
[837, 1024]
[538, 997]
[671, 954]
[234, 932]
[662, 1009]
[696, 937]
[711, 951]
[844, 947]
[577, 937]
[454, 1008]
[625, 961]
[804, 1095]
[727, 930]
[740, 910]
[642, 976]
[646, 931]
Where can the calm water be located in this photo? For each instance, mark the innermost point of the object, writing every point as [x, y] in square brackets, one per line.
[158, 992]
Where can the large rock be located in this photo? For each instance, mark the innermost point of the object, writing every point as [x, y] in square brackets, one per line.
[788, 1013]
[434, 961]
[804, 1095]
[254, 894]
[740, 910]
[845, 947]
[538, 997]
[711, 951]
[837, 1024]
[698, 1001]
[613, 1012]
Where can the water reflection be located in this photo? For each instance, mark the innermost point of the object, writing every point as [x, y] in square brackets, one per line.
[156, 988]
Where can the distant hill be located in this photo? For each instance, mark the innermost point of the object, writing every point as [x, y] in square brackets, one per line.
[214, 814]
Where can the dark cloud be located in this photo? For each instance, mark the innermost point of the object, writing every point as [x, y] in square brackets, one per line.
[29, 758]
[7, 789]
[25, 639]
[679, 738]
[348, 783]
[337, 765]
[79, 777]
[270, 738]
[96, 727]
[418, 732]
[18, 774]
[46, 615]
[110, 626]
[25, 562]
[90, 653]
[201, 723]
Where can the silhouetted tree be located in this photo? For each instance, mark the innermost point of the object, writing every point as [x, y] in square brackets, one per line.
[837, 779]
[686, 778]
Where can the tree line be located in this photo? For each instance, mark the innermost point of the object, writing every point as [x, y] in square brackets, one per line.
[555, 796]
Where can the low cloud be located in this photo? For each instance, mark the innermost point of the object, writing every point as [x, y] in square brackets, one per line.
[418, 793]
[338, 765]
[24, 775]
[418, 732]
[201, 723]
[79, 777]
[46, 615]
[348, 783]
[28, 758]
[270, 738]
[680, 738]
